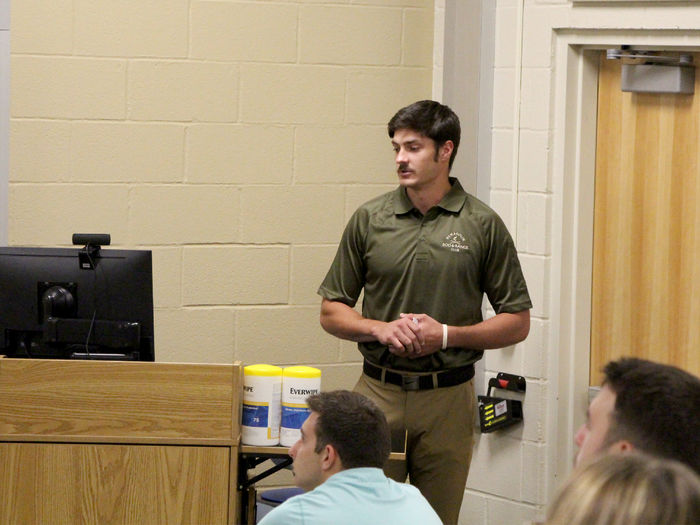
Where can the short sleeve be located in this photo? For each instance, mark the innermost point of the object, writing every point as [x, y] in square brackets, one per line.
[346, 276]
[503, 280]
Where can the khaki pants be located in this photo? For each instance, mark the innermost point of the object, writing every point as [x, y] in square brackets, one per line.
[440, 427]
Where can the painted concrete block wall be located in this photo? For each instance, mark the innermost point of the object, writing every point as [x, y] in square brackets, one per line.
[233, 138]
[516, 469]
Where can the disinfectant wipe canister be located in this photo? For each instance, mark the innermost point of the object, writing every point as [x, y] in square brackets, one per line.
[298, 383]
[262, 395]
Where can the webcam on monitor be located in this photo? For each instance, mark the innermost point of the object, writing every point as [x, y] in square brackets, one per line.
[92, 243]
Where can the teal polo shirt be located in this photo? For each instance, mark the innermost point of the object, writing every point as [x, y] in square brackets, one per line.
[441, 264]
[358, 495]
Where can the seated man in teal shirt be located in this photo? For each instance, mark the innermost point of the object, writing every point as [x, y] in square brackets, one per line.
[344, 444]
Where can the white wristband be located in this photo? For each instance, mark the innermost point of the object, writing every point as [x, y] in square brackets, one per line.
[444, 336]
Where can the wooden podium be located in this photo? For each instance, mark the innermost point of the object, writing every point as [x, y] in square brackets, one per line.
[118, 442]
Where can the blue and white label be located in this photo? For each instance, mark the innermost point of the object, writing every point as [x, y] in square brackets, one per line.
[260, 414]
[295, 411]
[255, 415]
[294, 416]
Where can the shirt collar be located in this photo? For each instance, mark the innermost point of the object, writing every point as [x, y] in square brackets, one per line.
[452, 201]
[365, 474]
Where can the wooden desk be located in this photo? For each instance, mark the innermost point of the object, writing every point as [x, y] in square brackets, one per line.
[118, 442]
[124, 442]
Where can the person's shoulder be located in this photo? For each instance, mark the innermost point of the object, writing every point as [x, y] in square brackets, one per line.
[319, 505]
[288, 512]
[378, 202]
[472, 206]
[300, 508]
[415, 503]
[377, 208]
[479, 208]
[406, 488]
[484, 215]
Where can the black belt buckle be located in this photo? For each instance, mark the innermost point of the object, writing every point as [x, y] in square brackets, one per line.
[410, 383]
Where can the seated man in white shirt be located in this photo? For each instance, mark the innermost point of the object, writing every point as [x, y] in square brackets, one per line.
[344, 444]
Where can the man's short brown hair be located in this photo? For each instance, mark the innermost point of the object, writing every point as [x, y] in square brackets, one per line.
[657, 409]
[431, 119]
[354, 426]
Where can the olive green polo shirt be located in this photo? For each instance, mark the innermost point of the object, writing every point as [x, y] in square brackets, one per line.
[440, 264]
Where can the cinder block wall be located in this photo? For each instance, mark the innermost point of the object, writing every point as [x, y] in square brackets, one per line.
[233, 138]
[514, 473]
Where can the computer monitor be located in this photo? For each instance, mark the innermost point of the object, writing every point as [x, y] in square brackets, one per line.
[55, 305]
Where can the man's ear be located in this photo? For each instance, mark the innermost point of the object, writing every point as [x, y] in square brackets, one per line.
[330, 460]
[621, 446]
[446, 150]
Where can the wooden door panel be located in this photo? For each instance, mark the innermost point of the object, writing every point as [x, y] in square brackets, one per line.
[646, 248]
[138, 484]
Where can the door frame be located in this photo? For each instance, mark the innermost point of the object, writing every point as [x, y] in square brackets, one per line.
[573, 124]
[4, 119]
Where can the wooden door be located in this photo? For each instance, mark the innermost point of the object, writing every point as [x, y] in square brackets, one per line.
[646, 248]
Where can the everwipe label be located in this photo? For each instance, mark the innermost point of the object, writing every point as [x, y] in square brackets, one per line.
[294, 408]
[298, 383]
[302, 391]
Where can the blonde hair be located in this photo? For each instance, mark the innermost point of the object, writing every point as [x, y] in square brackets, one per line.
[628, 489]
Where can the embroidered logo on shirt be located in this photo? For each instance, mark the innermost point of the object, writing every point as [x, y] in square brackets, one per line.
[455, 242]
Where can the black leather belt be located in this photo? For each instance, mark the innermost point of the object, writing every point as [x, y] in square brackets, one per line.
[408, 381]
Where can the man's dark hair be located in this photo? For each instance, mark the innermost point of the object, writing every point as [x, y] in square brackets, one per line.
[354, 425]
[431, 119]
[657, 409]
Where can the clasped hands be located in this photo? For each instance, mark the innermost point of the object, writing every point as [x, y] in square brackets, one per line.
[411, 335]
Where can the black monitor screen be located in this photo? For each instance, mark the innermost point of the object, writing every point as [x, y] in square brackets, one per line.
[52, 307]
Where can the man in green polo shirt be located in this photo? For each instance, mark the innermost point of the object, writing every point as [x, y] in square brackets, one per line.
[425, 254]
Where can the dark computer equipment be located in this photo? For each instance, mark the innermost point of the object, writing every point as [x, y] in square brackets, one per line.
[72, 303]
